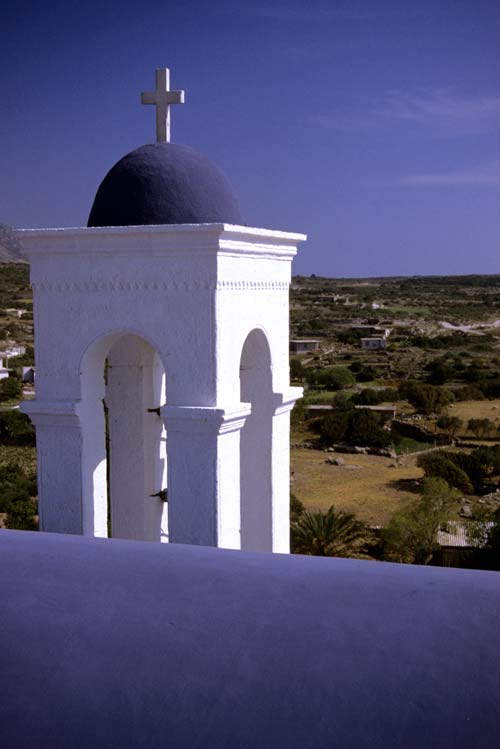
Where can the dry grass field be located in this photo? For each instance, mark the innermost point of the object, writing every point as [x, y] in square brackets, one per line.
[366, 484]
[465, 410]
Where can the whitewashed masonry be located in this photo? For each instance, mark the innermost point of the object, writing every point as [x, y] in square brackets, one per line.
[191, 323]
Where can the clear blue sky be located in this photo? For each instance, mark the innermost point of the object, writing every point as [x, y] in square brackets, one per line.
[372, 125]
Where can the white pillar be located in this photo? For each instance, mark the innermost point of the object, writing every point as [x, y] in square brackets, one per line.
[59, 455]
[94, 465]
[256, 488]
[204, 474]
[284, 403]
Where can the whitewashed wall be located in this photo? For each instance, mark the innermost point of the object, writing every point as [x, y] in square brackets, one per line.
[194, 296]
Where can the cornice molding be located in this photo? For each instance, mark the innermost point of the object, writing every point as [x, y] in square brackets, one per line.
[284, 402]
[46, 286]
[253, 285]
[204, 419]
[52, 413]
[175, 241]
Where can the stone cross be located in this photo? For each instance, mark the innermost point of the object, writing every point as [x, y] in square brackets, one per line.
[162, 97]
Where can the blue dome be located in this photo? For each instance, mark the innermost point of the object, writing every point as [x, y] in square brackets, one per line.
[164, 183]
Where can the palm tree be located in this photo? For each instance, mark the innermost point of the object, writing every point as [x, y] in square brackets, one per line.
[327, 534]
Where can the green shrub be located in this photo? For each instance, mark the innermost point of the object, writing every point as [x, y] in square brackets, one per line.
[297, 370]
[333, 378]
[296, 508]
[482, 466]
[16, 429]
[332, 428]
[22, 516]
[331, 533]
[10, 389]
[450, 424]
[426, 399]
[480, 427]
[411, 535]
[468, 393]
[372, 397]
[439, 372]
[17, 496]
[355, 426]
[364, 428]
[438, 465]
[490, 388]
[366, 373]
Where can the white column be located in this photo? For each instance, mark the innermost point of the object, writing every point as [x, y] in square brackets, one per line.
[204, 474]
[94, 479]
[284, 403]
[256, 489]
[59, 457]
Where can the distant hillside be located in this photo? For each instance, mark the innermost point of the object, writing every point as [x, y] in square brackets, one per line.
[10, 249]
[423, 305]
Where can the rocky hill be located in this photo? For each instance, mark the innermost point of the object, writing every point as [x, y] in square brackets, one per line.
[10, 250]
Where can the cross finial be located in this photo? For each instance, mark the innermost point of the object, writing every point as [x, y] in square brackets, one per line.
[162, 97]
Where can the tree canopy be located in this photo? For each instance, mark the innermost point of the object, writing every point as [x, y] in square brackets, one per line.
[327, 534]
[411, 535]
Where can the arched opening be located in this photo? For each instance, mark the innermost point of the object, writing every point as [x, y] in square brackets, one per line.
[256, 444]
[124, 466]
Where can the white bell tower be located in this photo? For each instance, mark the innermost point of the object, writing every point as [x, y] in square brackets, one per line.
[162, 396]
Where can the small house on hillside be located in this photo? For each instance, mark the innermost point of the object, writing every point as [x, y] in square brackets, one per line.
[28, 375]
[455, 545]
[4, 372]
[376, 343]
[14, 312]
[304, 345]
[14, 350]
[18, 350]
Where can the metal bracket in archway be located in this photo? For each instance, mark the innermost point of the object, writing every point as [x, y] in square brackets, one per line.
[162, 494]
